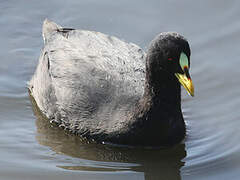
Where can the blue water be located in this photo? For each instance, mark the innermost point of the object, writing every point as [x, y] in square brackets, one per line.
[31, 149]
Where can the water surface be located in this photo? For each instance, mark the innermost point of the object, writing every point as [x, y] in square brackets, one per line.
[30, 148]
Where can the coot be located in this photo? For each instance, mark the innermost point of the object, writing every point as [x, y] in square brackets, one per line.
[108, 90]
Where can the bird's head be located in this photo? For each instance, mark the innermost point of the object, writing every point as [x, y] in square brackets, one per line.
[170, 52]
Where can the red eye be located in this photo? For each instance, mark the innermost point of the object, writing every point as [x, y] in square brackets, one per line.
[170, 59]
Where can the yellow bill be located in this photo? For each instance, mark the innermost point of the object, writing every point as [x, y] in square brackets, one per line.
[186, 82]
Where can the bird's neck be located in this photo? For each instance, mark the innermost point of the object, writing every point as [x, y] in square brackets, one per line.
[161, 100]
[158, 115]
[162, 89]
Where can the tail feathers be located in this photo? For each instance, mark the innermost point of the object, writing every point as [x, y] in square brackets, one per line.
[48, 28]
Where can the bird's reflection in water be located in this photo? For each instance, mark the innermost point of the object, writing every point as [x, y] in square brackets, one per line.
[154, 163]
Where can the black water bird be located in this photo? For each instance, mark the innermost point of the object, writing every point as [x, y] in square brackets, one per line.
[105, 89]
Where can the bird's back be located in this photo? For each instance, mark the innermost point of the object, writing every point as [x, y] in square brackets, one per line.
[88, 81]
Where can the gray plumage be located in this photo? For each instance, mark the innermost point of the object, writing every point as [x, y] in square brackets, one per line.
[105, 89]
[87, 81]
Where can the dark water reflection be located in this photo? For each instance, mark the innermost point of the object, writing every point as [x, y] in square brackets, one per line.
[154, 163]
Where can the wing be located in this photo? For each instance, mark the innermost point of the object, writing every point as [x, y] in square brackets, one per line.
[91, 77]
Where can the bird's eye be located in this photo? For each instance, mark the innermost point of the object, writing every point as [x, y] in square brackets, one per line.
[183, 61]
